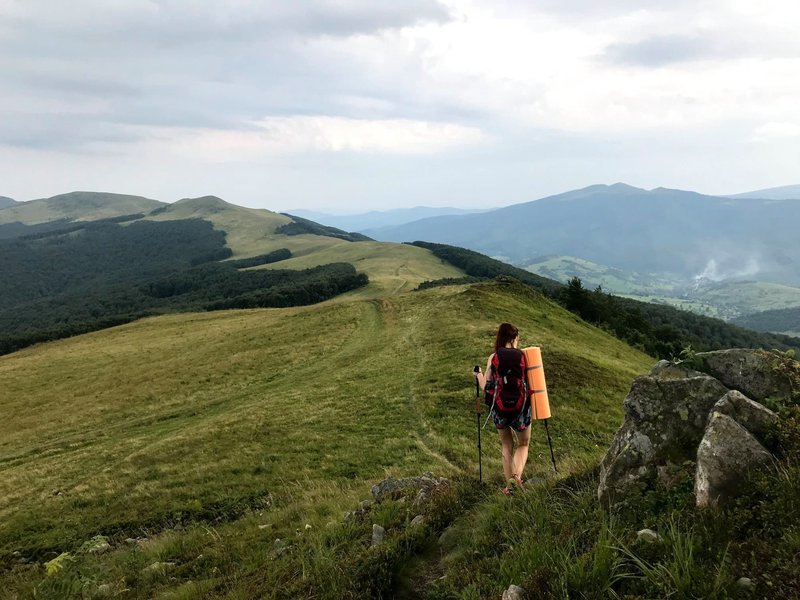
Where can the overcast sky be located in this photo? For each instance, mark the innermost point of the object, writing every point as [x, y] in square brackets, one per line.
[357, 104]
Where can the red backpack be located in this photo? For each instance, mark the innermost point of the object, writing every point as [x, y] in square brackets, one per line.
[508, 377]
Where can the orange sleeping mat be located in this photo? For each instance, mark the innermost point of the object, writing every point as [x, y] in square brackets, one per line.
[537, 388]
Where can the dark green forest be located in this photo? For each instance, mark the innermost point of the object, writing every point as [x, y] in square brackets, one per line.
[301, 226]
[87, 276]
[784, 319]
[659, 330]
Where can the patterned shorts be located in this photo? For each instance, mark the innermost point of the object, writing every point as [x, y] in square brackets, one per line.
[517, 422]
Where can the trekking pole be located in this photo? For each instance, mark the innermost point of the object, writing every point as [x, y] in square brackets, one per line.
[550, 442]
[477, 369]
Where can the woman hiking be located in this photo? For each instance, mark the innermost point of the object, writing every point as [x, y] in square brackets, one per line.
[511, 410]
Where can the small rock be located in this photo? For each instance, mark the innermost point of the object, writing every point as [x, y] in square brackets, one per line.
[105, 589]
[100, 549]
[648, 535]
[418, 520]
[131, 541]
[514, 592]
[158, 567]
[745, 583]
[262, 527]
[365, 505]
[378, 534]
[279, 546]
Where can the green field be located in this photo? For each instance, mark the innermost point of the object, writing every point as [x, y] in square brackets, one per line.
[214, 434]
[724, 300]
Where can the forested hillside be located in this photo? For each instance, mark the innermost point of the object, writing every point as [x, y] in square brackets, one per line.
[86, 276]
[787, 320]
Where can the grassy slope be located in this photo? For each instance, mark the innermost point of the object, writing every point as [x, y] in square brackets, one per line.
[391, 268]
[80, 206]
[178, 418]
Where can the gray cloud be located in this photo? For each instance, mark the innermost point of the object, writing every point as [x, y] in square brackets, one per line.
[174, 63]
[580, 10]
[664, 50]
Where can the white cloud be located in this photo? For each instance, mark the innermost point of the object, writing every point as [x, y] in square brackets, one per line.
[773, 129]
[523, 90]
[302, 134]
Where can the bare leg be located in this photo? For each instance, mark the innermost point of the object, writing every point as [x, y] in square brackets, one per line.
[507, 444]
[521, 453]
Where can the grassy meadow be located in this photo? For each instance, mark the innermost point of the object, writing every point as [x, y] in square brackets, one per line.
[211, 435]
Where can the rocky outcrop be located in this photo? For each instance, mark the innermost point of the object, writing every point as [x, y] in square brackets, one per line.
[726, 454]
[748, 371]
[678, 416]
[664, 422]
[754, 417]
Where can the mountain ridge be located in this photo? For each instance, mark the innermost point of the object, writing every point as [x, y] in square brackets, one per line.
[78, 206]
[784, 192]
[627, 228]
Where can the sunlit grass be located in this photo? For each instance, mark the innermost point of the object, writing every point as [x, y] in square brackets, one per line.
[254, 424]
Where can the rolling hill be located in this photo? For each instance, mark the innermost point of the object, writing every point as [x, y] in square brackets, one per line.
[6, 202]
[214, 454]
[77, 206]
[213, 434]
[658, 231]
[76, 274]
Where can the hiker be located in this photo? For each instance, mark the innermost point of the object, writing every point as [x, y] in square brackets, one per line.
[511, 410]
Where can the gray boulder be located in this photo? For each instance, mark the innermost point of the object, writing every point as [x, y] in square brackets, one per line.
[665, 419]
[754, 417]
[751, 372]
[726, 453]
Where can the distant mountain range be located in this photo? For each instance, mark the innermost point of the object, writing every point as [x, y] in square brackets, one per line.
[374, 219]
[662, 230]
[786, 192]
[5, 202]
